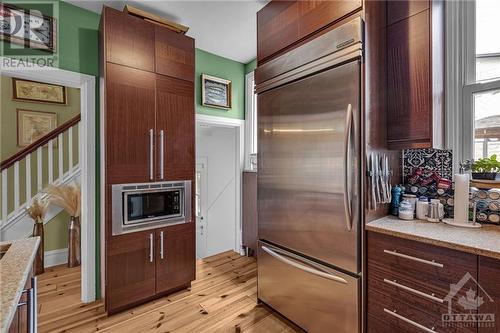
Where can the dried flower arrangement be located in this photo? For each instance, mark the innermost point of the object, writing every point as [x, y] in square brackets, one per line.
[38, 208]
[67, 197]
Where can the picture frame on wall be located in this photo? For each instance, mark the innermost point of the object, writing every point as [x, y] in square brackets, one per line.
[216, 92]
[38, 92]
[32, 125]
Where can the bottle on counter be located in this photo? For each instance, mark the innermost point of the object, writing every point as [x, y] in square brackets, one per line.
[396, 194]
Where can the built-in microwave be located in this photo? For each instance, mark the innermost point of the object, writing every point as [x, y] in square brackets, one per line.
[144, 206]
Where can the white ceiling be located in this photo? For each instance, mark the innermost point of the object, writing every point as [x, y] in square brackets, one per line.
[226, 28]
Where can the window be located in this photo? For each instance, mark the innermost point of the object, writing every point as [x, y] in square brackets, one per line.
[251, 126]
[473, 70]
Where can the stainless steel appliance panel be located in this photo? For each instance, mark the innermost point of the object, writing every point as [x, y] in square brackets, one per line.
[317, 298]
[308, 180]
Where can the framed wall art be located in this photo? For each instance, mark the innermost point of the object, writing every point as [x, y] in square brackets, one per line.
[215, 92]
[32, 125]
[39, 92]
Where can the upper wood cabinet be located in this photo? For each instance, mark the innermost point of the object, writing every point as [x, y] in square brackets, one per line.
[130, 121]
[281, 24]
[129, 40]
[174, 54]
[415, 74]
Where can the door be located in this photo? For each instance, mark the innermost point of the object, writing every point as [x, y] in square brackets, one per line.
[175, 129]
[201, 207]
[308, 178]
[130, 122]
[175, 259]
[130, 273]
[316, 298]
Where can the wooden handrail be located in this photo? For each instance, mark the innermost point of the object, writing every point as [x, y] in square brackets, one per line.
[38, 143]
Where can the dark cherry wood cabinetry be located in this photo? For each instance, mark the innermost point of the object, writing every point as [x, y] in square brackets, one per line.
[22, 321]
[282, 24]
[415, 74]
[489, 280]
[149, 121]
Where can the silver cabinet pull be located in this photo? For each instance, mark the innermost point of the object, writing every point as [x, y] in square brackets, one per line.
[150, 247]
[347, 188]
[411, 322]
[414, 291]
[303, 267]
[162, 146]
[428, 262]
[151, 152]
[161, 245]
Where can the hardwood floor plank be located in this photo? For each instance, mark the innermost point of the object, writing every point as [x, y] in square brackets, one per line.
[222, 299]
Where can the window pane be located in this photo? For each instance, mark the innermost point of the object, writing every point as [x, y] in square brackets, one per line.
[487, 40]
[486, 123]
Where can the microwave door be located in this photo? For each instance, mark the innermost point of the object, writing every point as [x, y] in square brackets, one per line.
[308, 180]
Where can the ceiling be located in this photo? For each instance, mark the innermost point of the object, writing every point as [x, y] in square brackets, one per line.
[225, 28]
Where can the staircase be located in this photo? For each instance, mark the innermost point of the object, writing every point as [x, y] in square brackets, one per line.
[52, 159]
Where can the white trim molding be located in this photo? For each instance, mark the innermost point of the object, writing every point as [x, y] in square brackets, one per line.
[87, 86]
[55, 257]
[239, 125]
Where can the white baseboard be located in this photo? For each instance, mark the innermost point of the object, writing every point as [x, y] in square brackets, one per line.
[55, 257]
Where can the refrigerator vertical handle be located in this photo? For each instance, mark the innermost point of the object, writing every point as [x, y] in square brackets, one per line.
[347, 188]
[151, 152]
[162, 156]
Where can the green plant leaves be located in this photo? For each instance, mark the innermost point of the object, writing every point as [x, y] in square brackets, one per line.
[487, 164]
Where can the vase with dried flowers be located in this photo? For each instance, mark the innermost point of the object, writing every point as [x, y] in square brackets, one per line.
[37, 210]
[68, 197]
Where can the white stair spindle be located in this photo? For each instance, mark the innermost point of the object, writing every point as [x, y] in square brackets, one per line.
[70, 149]
[61, 161]
[51, 161]
[39, 170]
[16, 186]
[28, 179]
[4, 196]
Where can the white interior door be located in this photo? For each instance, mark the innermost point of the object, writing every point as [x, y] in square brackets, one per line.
[201, 207]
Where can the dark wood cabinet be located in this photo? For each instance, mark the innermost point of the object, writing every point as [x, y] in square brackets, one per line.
[22, 317]
[489, 274]
[130, 273]
[130, 41]
[415, 74]
[174, 54]
[282, 24]
[130, 120]
[175, 117]
[249, 211]
[175, 259]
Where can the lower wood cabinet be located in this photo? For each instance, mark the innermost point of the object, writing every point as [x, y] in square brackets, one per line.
[146, 264]
[25, 316]
[489, 280]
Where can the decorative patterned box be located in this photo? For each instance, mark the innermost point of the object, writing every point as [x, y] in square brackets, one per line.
[487, 205]
[437, 160]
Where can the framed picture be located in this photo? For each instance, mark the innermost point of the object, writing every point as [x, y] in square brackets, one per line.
[32, 125]
[215, 92]
[32, 91]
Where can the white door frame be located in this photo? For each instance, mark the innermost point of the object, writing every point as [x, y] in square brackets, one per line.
[239, 126]
[87, 150]
[203, 160]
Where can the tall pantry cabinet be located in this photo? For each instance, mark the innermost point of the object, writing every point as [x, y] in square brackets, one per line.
[147, 73]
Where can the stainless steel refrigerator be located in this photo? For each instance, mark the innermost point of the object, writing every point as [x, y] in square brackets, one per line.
[309, 192]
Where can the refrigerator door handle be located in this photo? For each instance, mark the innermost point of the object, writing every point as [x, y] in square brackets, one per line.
[347, 188]
[303, 267]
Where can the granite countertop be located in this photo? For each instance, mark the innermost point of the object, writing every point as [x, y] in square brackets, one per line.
[15, 267]
[483, 241]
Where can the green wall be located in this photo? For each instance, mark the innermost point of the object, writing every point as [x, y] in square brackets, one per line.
[211, 64]
[249, 67]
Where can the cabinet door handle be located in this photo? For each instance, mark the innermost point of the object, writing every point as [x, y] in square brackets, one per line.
[409, 321]
[32, 299]
[423, 261]
[161, 245]
[162, 153]
[151, 152]
[151, 247]
[414, 291]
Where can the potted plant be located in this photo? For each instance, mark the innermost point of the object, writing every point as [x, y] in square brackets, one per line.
[68, 198]
[37, 210]
[486, 168]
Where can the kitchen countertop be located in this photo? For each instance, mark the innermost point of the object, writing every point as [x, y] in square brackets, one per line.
[15, 267]
[483, 241]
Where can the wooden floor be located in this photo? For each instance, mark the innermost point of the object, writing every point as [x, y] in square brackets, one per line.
[222, 299]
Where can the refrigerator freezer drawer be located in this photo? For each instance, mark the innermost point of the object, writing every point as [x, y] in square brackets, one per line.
[315, 297]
